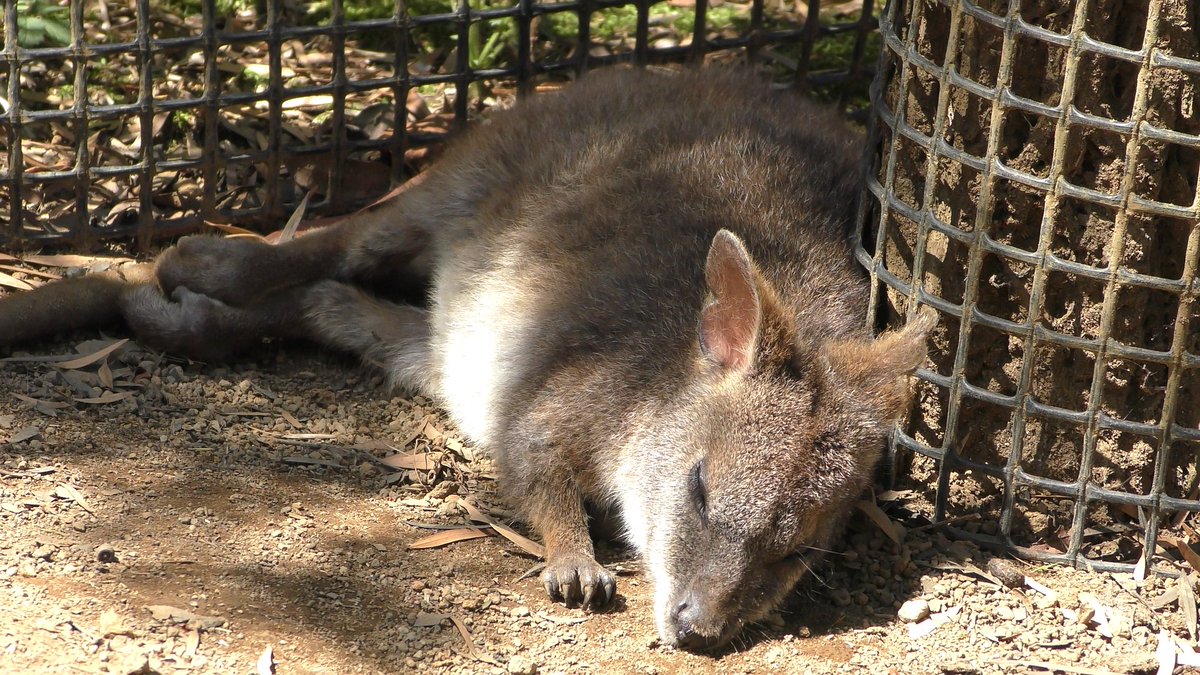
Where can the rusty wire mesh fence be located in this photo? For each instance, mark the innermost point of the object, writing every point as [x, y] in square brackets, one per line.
[1036, 184]
[146, 119]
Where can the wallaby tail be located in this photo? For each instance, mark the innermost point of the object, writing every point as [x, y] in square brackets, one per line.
[70, 304]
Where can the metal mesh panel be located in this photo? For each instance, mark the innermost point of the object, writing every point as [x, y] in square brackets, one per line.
[1036, 183]
[138, 193]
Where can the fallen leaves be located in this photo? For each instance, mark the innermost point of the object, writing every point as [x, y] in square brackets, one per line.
[193, 621]
[893, 530]
[447, 537]
[528, 545]
[266, 662]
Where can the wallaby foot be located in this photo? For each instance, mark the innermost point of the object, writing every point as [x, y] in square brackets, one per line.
[196, 325]
[234, 270]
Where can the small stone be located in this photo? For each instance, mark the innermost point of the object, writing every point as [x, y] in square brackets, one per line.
[106, 554]
[1004, 612]
[519, 611]
[520, 665]
[443, 490]
[914, 610]
[1007, 572]
[44, 552]
[110, 623]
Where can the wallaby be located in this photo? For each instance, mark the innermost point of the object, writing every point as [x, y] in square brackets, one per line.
[642, 297]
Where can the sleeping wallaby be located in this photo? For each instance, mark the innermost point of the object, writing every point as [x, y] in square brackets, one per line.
[642, 297]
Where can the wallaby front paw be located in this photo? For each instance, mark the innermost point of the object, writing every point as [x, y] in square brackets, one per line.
[578, 580]
[227, 269]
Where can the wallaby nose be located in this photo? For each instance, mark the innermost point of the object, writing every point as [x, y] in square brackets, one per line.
[686, 637]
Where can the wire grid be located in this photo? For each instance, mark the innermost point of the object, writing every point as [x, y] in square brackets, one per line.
[81, 228]
[1015, 470]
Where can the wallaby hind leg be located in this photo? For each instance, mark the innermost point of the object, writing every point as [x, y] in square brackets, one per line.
[388, 244]
[391, 336]
[331, 313]
[195, 325]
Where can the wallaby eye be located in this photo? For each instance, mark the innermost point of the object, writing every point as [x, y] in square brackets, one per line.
[698, 490]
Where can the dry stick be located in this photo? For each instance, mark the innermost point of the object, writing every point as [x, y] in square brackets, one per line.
[948, 521]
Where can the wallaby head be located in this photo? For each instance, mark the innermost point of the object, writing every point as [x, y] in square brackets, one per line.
[755, 467]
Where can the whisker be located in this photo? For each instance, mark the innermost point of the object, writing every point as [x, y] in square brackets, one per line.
[813, 573]
[822, 550]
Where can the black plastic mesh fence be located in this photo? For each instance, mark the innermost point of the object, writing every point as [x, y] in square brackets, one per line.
[1036, 184]
[139, 119]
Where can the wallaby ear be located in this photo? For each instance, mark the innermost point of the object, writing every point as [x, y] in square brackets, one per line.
[880, 367]
[729, 322]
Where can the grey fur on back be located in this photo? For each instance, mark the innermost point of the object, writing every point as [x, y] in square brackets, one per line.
[598, 209]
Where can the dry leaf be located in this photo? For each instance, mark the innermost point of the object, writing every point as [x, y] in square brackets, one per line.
[106, 397]
[1165, 653]
[448, 537]
[1040, 588]
[425, 620]
[35, 272]
[89, 359]
[528, 545]
[1189, 554]
[177, 615]
[893, 530]
[42, 406]
[67, 491]
[24, 435]
[105, 375]
[290, 419]
[923, 628]
[191, 643]
[1187, 604]
[13, 282]
[74, 260]
[971, 568]
[309, 437]
[419, 461]
[233, 230]
[471, 649]
[1142, 567]
[266, 662]
[289, 229]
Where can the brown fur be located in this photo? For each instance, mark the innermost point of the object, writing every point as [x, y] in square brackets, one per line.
[642, 298]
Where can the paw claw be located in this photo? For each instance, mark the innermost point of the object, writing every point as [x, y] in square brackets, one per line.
[579, 581]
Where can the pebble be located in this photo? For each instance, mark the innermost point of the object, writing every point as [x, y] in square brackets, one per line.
[913, 611]
[520, 665]
[1007, 572]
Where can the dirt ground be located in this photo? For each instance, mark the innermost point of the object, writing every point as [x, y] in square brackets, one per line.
[172, 517]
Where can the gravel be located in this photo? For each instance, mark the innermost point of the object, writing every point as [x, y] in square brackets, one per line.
[254, 494]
